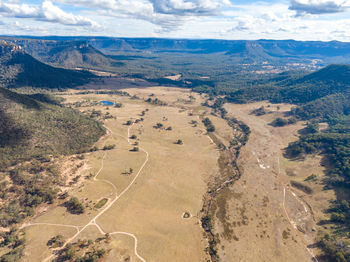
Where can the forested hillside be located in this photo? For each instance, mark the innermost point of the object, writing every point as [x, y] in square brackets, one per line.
[320, 94]
[18, 69]
[33, 126]
[67, 54]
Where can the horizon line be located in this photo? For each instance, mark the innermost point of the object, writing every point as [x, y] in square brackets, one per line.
[167, 38]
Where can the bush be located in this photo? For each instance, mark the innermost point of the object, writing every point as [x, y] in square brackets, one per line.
[311, 178]
[56, 241]
[95, 148]
[178, 142]
[278, 122]
[208, 124]
[109, 147]
[259, 111]
[135, 149]
[158, 126]
[74, 206]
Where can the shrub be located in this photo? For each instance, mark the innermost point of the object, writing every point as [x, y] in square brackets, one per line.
[278, 122]
[95, 148]
[74, 206]
[109, 147]
[178, 142]
[56, 241]
[135, 149]
[311, 178]
[208, 124]
[158, 126]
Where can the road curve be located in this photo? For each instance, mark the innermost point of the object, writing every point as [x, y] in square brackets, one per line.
[93, 220]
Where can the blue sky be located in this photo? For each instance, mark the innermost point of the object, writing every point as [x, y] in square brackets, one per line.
[224, 19]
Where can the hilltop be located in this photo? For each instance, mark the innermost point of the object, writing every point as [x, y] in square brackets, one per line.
[17, 69]
[67, 54]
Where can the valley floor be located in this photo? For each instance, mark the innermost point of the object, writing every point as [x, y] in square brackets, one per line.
[154, 187]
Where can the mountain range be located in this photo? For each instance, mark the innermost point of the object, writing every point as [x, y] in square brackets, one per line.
[67, 54]
[17, 68]
[252, 51]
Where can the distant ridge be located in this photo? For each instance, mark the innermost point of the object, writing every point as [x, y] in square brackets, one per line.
[67, 54]
[241, 51]
[17, 68]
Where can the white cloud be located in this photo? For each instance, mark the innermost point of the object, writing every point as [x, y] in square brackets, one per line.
[53, 13]
[180, 18]
[19, 10]
[44, 12]
[169, 15]
[318, 6]
[189, 7]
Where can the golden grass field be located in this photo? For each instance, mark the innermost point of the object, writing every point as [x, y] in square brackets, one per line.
[172, 182]
[259, 218]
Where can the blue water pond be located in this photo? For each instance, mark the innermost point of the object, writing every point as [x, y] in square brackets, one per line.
[107, 103]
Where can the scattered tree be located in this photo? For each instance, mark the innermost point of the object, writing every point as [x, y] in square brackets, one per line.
[178, 142]
[74, 206]
[135, 149]
[108, 147]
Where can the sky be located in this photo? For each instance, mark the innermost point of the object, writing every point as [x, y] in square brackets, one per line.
[325, 20]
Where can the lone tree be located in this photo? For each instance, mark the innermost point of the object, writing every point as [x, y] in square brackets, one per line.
[133, 137]
[135, 149]
[158, 126]
[178, 142]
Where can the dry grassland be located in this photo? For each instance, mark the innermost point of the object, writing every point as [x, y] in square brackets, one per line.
[261, 217]
[172, 182]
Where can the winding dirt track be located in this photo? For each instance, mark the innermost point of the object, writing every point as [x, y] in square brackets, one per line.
[93, 222]
[286, 212]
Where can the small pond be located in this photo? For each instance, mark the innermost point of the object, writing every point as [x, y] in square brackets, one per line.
[107, 103]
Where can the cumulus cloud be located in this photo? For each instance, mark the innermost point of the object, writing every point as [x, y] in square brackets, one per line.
[53, 13]
[189, 7]
[19, 10]
[318, 6]
[44, 12]
[168, 14]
